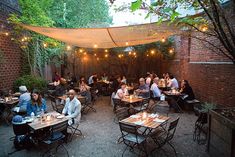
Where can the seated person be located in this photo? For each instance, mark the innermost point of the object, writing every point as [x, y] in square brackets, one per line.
[24, 100]
[56, 77]
[85, 90]
[104, 77]
[154, 88]
[173, 83]
[124, 79]
[185, 88]
[37, 104]
[72, 108]
[143, 89]
[60, 89]
[121, 92]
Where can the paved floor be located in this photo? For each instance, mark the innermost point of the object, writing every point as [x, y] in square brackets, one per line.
[101, 133]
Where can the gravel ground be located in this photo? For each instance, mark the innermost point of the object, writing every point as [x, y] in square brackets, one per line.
[100, 136]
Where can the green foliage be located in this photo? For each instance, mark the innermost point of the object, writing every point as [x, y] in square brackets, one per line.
[31, 82]
[136, 5]
[80, 13]
[206, 107]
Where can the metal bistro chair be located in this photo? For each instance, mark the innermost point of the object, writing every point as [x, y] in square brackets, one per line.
[55, 106]
[57, 135]
[201, 127]
[117, 104]
[74, 130]
[165, 136]
[132, 138]
[121, 113]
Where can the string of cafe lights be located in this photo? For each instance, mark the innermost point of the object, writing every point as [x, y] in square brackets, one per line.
[25, 38]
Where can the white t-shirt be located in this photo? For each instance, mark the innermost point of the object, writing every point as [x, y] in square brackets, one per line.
[121, 92]
[148, 80]
[156, 91]
[174, 83]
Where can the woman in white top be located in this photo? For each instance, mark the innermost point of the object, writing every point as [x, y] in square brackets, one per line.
[122, 92]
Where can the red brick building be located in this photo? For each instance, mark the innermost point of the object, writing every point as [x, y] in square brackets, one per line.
[10, 63]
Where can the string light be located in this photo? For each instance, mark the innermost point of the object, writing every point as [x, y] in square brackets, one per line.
[85, 58]
[95, 46]
[95, 54]
[68, 47]
[44, 44]
[147, 55]
[127, 43]
[106, 55]
[152, 52]
[97, 59]
[134, 53]
[163, 40]
[6, 33]
[171, 50]
[130, 53]
[204, 28]
[106, 50]
[22, 39]
[85, 53]
[81, 50]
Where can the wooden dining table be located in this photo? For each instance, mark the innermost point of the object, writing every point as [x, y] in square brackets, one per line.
[9, 104]
[149, 121]
[131, 99]
[54, 119]
[144, 119]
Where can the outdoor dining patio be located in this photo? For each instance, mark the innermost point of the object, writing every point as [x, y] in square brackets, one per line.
[100, 135]
[117, 78]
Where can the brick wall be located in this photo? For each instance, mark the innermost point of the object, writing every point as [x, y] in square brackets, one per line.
[11, 64]
[211, 76]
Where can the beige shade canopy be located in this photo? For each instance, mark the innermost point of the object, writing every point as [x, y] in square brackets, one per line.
[109, 37]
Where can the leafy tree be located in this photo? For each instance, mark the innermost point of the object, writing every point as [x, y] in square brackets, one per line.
[80, 13]
[39, 50]
[213, 23]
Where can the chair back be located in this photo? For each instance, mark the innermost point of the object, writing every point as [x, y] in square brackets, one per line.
[122, 113]
[145, 101]
[20, 129]
[82, 101]
[151, 108]
[171, 129]
[59, 127]
[128, 129]
[117, 103]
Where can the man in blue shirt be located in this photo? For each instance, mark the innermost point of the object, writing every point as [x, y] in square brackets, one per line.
[143, 89]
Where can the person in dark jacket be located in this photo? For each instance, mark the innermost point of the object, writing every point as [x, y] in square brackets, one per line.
[187, 89]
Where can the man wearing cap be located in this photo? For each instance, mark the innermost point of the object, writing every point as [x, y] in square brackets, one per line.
[23, 100]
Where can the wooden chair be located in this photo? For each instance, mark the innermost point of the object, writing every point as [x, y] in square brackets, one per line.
[165, 136]
[55, 106]
[57, 135]
[132, 138]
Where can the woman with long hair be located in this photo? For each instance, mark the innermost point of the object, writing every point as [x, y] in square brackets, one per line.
[37, 104]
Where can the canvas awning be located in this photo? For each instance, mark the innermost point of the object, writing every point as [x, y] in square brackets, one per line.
[109, 37]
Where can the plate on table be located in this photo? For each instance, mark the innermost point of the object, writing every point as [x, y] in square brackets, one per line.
[159, 120]
[135, 116]
[60, 117]
[28, 119]
[14, 98]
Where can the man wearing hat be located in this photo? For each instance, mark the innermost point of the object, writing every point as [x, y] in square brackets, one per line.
[23, 100]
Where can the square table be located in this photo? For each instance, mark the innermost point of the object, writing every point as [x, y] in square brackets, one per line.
[9, 104]
[37, 124]
[147, 120]
[131, 99]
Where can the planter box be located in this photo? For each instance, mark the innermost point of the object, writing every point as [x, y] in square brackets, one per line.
[221, 141]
